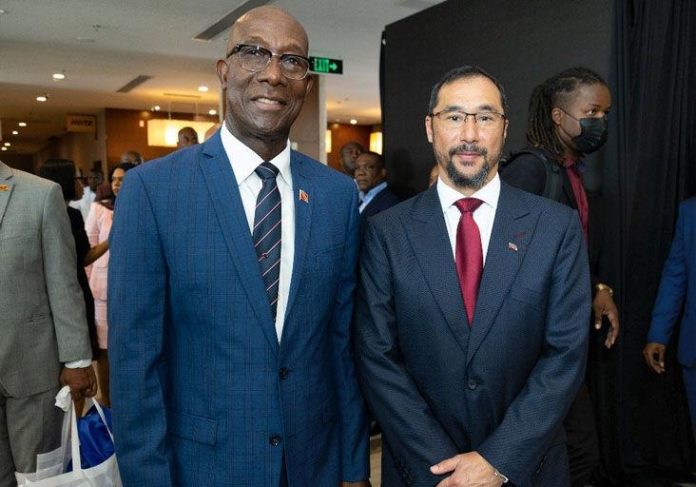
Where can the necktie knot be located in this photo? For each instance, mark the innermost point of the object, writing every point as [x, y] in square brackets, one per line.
[266, 170]
[468, 205]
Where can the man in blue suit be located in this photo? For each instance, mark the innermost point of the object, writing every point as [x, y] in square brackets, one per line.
[230, 292]
[677, 292]
[470, 368]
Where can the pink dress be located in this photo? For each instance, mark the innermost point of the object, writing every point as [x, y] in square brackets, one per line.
[98, 226]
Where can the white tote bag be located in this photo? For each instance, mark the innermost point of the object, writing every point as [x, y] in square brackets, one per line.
[50, 465]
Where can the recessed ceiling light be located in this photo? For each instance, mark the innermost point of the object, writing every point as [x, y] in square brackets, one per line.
[58, 76]
[156, 108]
[203, 89]
[212, 112]
[42, 98]
[7, 144]
[14, 132]
[3, 148]
[22, 124]
[353, 121]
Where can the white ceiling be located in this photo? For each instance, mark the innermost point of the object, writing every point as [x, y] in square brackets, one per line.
[101, 45]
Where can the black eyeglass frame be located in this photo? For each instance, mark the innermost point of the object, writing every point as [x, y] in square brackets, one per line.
[466, 114]
[239, 47]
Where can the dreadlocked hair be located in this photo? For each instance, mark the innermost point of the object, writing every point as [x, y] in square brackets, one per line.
[551, 93]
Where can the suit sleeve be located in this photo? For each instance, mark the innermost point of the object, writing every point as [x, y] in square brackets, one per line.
[354, 426]
[531, 422]
[672, 291]
[416, 439]
[137, 297]
[64, 292]
[525, 172]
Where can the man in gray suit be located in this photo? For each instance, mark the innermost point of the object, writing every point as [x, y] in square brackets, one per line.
[42, 320]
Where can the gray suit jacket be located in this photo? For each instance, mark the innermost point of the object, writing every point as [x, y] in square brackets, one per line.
[42, 312]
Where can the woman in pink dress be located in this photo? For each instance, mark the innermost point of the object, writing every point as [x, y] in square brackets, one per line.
[98, 226]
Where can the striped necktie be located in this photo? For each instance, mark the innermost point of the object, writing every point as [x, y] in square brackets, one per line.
[267, 231]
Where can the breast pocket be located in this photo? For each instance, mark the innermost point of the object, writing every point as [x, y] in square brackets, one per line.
[328, 261]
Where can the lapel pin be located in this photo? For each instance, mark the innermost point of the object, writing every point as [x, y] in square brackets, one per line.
[304, 197]
[4, 187]
[512, 246]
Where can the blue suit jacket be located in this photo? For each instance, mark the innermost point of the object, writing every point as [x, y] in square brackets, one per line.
[678, 285]
[503, 387]
[202, 392]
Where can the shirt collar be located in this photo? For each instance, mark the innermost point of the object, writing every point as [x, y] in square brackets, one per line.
[376, 189]
[244, 160]
[489, 194]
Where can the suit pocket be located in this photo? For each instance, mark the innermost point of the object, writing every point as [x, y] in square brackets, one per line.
[194, 428]
[528, 296]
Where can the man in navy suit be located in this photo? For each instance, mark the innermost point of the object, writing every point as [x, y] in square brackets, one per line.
[230, 289]
[371, 176]
[677, 290]
[472, 308]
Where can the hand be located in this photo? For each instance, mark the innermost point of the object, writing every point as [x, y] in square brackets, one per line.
[82, 382]
[654, 354]
[470, 470]
[603, 305]
[359, 483]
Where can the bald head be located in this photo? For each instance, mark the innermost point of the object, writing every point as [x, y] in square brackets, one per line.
[270, 15]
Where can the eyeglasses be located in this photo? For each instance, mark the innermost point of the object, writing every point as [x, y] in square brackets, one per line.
[453, 119]
[257, 58]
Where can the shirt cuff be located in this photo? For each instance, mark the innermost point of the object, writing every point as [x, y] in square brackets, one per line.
[78, 364]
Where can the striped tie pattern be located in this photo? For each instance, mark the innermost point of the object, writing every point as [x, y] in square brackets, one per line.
[267, 231]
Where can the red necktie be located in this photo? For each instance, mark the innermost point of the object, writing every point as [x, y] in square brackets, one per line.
[469, 255]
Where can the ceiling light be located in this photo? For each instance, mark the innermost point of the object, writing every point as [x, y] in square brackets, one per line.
[2, 11]
[42, 98]
[212, 111]
[353, 121]
[3, 148]
[7, 144]
[58, 76]
[156, 108]
[22, 124]
[203, 89]
[14, 132]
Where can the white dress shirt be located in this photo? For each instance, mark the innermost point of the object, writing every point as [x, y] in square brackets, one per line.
[244, 161]
[483, 216]
[84, 203]
[370, 195]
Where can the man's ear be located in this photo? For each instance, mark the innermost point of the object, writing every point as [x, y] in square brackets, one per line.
[429, 128]
[310, 83]
[221, 68]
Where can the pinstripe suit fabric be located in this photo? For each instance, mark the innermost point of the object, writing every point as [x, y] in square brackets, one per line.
[203, 393]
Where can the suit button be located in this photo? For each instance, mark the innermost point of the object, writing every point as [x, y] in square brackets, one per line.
[283, 373]
[472, 384]
[274, 440]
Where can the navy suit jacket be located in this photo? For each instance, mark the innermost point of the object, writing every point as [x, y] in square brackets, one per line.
[382, 200]
[678, 288]
[502, 388]
[203, 393]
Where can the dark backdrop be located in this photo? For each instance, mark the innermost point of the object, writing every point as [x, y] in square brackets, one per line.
[646, 49]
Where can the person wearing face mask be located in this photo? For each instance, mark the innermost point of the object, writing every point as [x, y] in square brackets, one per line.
[568, 120]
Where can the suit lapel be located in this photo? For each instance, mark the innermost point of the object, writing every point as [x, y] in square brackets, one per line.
[427, 233]
[6, 187]
[512, 230]
[223, 190]
[303, 220]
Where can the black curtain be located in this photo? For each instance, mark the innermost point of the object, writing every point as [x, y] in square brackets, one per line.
[643, 418]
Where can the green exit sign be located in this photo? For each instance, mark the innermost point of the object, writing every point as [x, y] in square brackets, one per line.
[326, 65]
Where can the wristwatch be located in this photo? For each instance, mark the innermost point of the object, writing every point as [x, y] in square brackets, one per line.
[500, 476]
[604, 287]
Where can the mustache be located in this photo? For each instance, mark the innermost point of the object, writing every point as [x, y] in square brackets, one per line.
[468, 148]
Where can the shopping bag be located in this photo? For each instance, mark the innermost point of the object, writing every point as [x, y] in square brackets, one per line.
[105, 474]
[96, 443]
